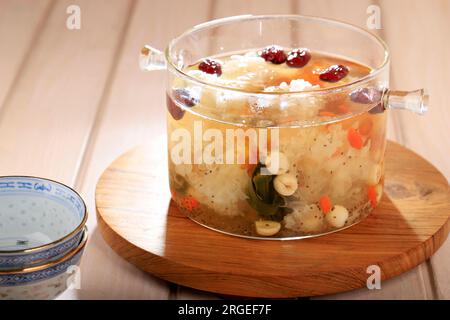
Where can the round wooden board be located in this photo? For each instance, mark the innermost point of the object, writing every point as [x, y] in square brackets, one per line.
[138, 220]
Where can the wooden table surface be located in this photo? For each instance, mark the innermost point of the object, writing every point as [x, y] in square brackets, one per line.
[71, 101]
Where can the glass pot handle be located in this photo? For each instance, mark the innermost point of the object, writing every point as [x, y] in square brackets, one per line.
[151, 59]
[415, 101]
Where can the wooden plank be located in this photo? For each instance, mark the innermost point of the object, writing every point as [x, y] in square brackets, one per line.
[47, 119]
[20, 24]
[132, 111]
[226, 8]
[415, 284]
[419, 58]
[420, 51]
[350, 11]
[53, 103]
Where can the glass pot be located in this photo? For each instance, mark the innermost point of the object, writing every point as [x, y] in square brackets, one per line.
[292, 174]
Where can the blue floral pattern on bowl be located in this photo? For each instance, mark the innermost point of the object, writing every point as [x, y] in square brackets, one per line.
[40, 221]
[45, 281]
[9, 262]
[19, 279]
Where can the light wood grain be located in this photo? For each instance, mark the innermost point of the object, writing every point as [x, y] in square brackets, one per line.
[20, 24]
[67, 110]
[228, 8]
[420, 52]
[138, 220]
[46, 121]
[131, 112]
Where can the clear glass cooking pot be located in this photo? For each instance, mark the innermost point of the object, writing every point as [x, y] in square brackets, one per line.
[292, 174]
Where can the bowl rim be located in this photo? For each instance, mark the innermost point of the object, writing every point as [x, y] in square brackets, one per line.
[171, 65]
[60, 240]
[66, 257]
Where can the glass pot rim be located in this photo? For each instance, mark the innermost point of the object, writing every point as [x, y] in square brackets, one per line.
[233, 19]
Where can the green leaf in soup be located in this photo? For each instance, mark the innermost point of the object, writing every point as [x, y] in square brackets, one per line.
[263, 186]
[263, 197]
[263, 208]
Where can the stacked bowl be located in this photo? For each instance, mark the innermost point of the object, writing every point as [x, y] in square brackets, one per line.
[42, 237]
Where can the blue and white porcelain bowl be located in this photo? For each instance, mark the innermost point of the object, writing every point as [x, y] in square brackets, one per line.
[40, 221]
[45, 281]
